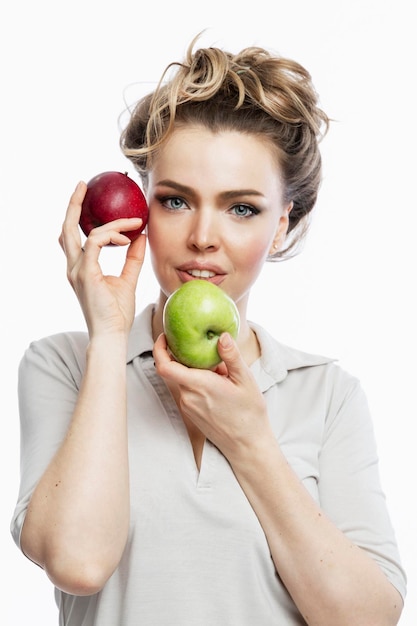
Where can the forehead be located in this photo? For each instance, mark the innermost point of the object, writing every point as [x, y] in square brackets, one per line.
[213, 165]
[197, 148]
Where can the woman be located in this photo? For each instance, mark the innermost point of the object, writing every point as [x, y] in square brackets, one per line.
[157, 494]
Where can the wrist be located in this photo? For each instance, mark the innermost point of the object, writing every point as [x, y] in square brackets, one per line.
[111, 346]
[258, 453]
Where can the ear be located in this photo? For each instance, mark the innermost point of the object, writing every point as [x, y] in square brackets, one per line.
[282, 229]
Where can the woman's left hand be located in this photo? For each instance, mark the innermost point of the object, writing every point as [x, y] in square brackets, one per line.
[226, 404]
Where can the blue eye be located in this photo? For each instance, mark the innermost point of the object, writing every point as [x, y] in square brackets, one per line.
[173, 203]
[244, 210]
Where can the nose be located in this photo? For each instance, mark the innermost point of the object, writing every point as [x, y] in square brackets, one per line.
[204, 230]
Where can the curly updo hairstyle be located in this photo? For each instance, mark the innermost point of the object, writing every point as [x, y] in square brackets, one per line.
[252, 92]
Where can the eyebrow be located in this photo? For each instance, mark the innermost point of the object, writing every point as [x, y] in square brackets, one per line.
[226, 195]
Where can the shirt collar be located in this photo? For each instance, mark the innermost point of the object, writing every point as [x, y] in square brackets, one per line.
[277, 359]
[275, 362]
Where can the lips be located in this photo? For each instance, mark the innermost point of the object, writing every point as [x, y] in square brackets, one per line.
[212, 273]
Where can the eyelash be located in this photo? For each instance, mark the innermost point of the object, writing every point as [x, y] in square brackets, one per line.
[166, 201]
[253, 210]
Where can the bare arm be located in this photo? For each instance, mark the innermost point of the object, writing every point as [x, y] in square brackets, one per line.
[78, 517]
[332, 581]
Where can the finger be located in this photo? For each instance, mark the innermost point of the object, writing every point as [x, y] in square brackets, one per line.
[166, 366]
[69, 238]
[161, 355]
[171, 370]
[114, 232]
[229, 353]
[134, 260]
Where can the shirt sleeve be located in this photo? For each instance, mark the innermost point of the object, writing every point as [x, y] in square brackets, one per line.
[48, 382]
[349, 483]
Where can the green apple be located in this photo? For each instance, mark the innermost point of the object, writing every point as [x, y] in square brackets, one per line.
[195, 315]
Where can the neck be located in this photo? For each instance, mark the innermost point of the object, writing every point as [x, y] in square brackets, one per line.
[157, 325]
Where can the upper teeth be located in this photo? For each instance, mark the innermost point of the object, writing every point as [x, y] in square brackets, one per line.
[201, 273]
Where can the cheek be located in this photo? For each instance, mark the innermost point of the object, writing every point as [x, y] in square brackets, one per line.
[254, 250]
[254, 262]
[157, 245]
[157, 237]
[248, 261]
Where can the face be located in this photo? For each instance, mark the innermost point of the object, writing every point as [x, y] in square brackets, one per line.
[216, 210]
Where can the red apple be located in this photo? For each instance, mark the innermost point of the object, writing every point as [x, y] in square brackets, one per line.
[110, 196]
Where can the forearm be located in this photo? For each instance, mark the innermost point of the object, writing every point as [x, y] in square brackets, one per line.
[330, 580]
[77, 520]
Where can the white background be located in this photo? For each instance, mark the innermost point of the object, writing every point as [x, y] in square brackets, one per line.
[67, 69]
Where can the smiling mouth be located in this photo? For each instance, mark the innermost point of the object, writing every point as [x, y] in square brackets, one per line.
[201, 273]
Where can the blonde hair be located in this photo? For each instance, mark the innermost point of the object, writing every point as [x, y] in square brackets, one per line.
[253, 92]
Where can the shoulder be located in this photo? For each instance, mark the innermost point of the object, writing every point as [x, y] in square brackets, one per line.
[280, 362]
[67, 350]
[281, 358]
[59, 352]
[68, 343]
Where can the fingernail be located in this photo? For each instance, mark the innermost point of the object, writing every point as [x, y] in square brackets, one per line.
[225, 340]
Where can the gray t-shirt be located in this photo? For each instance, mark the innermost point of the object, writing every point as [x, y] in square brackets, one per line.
[196, 554]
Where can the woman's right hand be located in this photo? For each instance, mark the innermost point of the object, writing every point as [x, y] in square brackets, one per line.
[108, 302]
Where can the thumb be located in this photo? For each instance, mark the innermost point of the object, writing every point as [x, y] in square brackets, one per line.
[134, 260]
[230, 355]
